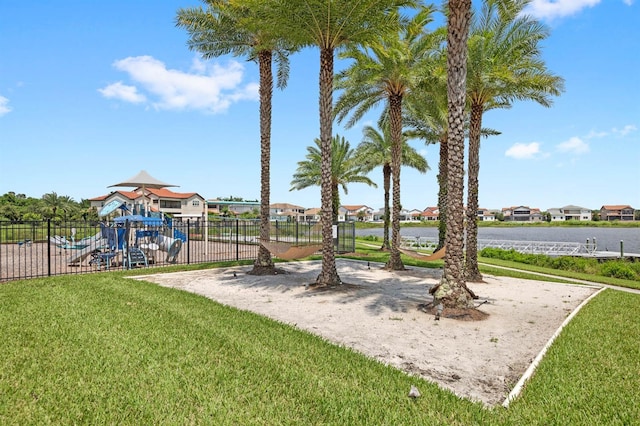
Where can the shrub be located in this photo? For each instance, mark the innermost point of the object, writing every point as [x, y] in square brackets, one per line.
[610, 268]
[574, 264]
[617, 269]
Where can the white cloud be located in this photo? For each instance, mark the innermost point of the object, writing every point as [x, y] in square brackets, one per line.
[123, 92]
[627, 2]
[522, 151]
[629, 128]
[198, 66]
[211, 88]
[593, 134]
[549, 9]
[574, 145]
[625, 130]
[4, 106]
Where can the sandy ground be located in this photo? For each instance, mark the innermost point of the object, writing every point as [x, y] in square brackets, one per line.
[378, 315]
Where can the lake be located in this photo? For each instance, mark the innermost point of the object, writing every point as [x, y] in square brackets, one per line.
[607, 239]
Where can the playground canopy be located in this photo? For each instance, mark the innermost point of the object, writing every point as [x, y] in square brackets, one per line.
[143, 180]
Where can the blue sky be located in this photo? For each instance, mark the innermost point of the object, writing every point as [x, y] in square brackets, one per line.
[93, 92]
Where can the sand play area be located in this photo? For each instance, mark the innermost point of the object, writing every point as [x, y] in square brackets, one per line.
[378, 314]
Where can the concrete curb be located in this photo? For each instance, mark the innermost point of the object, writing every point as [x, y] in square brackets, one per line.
[515, 392]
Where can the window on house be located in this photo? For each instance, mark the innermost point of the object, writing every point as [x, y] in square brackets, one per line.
[167, 204]
[195, 203]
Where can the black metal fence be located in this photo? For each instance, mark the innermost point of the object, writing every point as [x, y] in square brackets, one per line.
[46, 248]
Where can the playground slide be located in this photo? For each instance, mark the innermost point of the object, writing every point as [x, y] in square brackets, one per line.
[95, 243]
[171, 246]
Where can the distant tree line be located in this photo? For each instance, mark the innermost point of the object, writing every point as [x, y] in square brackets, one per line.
[18, 207]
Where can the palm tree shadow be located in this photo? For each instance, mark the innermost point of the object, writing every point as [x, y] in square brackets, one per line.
[396, 291]
[364, 283]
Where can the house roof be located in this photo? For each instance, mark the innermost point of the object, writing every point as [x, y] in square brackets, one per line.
[616, 207]
[284, 206]
[160, 193]
[166, 193]
[234, 203]
[355, 208]
[130, 195]
[572, 207]
[532, 209]
[430, 211]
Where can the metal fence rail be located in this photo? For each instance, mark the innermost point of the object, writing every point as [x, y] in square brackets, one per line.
[46, 248]
[534, 247]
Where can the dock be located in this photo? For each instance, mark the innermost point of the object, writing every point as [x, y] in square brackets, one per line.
[549, 248]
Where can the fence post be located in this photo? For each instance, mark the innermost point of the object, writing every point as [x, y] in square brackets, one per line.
[237, 239]
[188, 241]
[49, 247]
[206, 236]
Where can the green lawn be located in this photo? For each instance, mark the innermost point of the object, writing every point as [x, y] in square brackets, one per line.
[103, 349]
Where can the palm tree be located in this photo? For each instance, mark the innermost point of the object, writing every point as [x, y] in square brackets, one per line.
[329, 25]
[425, 116]
[54, 202]
[451, 291]
[345, 169]
[503, 65]
[227, 27]
[374, 151]
[387, 71]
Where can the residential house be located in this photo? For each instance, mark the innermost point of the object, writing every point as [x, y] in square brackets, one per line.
[410, 215]
[378, 215]
[569, 213]
[359, 213]
[430, 214]
[182, 205]
[616, 212]
[286, 212]
[522, 214]
[485, 215]
[129, 199]
[234, 208]
[312, 215]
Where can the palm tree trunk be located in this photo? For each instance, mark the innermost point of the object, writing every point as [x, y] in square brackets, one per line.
[264, 263]
[386, 176]
[451, 292]
[328, 275]
[442, 193]
[395, 117]
[335, 202]
[471, 270]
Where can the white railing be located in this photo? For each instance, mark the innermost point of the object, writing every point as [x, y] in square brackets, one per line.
[549, 248]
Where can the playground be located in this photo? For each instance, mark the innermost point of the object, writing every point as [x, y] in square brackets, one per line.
[41, 259]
